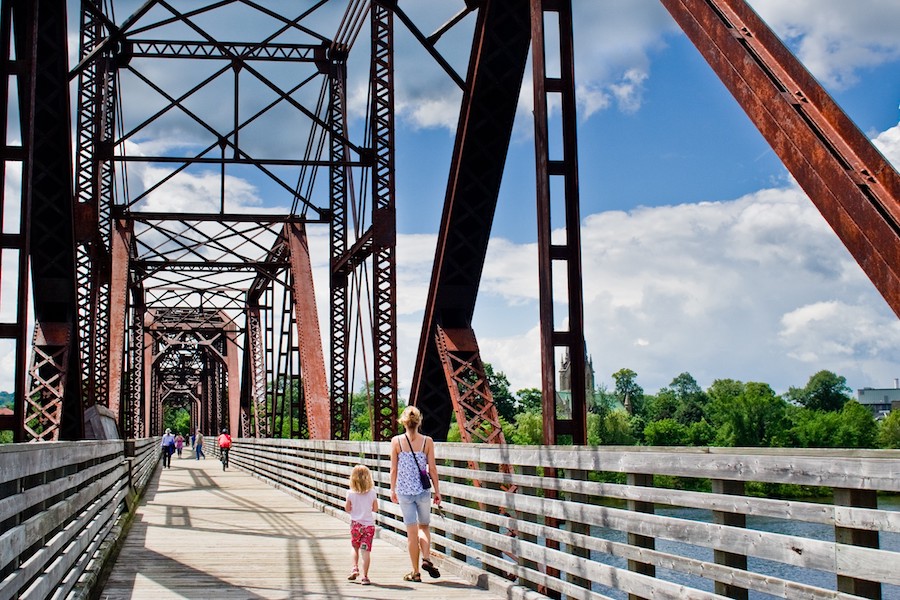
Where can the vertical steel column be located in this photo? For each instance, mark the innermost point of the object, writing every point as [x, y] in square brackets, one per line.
[309, 338]
[40, 30]
[255, 372]
[340, 318]
[147, 374]
[569, 252]
[232, 385]
[384, 221]
[17, 14]
[93, 181]
[118, 314]
[135, 418]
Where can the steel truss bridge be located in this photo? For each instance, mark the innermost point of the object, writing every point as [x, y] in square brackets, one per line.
[125, 305]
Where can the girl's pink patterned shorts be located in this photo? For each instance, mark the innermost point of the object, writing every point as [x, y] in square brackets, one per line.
[361, 536]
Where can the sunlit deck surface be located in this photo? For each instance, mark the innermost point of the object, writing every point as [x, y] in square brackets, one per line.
[204, 533]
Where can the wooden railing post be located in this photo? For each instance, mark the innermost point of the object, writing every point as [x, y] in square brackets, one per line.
[857, 537]
[641, 541]
[531, 470]
[457, 538]
[578, 527]
[731, 559]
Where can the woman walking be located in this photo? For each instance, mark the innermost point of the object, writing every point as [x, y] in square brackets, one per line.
[412, 464]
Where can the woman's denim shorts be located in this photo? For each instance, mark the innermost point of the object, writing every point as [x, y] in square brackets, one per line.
[416, 509]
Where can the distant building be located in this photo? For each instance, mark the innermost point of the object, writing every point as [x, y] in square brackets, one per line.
[880, 400]
[564, 391]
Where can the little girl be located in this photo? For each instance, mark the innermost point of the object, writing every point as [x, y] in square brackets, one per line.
[361, 503]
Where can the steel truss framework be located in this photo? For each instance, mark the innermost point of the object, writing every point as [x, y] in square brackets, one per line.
[178, 300]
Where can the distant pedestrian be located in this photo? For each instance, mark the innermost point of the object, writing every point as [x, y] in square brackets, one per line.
[179, 444]
[193, 439]
[168, 448]
[198, 445]
[362, 503]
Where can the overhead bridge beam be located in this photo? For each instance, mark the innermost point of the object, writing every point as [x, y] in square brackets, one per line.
[849, 181]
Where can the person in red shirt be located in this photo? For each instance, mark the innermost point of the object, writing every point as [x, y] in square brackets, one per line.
[224, 442]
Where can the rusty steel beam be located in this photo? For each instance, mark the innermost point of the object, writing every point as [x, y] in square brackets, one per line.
[384, 222]
[339, 180]
[473, 402]
[20, 73]
[496, 69]
[255, 372]
[44, 402]
[236, 418]
[135, 415]
[849, 181]
[94, 196]
[309, 338]
[563, 168]
[40, 31]
[118, 314]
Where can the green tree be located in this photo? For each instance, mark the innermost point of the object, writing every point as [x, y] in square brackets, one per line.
[661, 406]
[361, 413]
[628, 392]
[529, 429]
[602, 401]
[851, 427]
[178, 419]
[617, 429]
[889, 431]
[666, 432]
[528, 400]
[856, 427]
[724, 390]
[503, 398]
[701, 433]
[824, 391]
[692, 400]
[755, 417]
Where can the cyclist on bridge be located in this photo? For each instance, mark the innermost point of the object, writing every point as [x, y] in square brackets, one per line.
[224, 442]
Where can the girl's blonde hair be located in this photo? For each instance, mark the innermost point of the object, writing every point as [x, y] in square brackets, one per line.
[361, 479]
[411, 418]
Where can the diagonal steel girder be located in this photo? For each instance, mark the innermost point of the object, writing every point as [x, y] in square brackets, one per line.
[496, 68]
[849, 181]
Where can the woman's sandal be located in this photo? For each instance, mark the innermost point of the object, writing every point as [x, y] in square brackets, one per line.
[413, 577]
[432, 570]
[354, 573]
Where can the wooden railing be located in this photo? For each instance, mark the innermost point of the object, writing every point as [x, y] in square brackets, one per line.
[603, 528]
[63, 509]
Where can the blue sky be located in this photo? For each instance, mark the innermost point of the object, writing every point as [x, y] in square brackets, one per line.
[700, 253]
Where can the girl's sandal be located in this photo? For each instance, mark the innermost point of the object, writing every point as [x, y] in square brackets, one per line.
[412, 577]
[365, 581]
[432, 570]
[353, 574]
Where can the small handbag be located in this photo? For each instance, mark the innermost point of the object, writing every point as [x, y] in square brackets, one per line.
[424, 478]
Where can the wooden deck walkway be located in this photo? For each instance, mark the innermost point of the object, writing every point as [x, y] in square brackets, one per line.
[204, 533]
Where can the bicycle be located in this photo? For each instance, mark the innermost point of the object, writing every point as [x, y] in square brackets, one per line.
[223, 456]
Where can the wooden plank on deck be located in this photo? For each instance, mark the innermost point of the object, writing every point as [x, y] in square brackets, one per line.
[204, 533]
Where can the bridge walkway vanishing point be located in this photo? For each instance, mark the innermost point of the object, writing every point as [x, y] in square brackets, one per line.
[200, 532]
